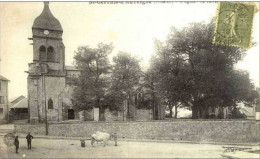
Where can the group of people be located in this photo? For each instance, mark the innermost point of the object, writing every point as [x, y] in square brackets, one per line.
[29, 138]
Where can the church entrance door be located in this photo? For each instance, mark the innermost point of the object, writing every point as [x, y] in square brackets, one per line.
[71, 114]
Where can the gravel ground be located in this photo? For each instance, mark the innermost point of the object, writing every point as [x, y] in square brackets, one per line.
[46, 148]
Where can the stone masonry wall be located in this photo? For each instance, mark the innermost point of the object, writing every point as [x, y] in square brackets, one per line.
[34, 98]
[53, 87]
[201, 131]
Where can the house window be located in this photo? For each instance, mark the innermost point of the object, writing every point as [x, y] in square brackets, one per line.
[2, 100]
[0, 86]
[1, 110]
[50, 104]
[50, 54]
[42, 53]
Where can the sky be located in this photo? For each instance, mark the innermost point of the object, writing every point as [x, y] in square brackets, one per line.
[130, 27]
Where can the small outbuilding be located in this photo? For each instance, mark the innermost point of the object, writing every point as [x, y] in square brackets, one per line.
[19, 108]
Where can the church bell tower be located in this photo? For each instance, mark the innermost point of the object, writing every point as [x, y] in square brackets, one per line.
[46, 77]
[48, 47]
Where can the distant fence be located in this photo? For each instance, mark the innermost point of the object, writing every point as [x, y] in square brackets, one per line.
[233, 131]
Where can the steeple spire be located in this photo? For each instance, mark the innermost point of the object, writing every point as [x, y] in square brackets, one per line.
[46, 20]
[46, 3]
[46, 6]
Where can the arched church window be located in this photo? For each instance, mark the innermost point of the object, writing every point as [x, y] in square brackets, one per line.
[50, 54]
[50, 104]
[42, 51]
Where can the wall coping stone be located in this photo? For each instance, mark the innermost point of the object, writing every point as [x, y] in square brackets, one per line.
[152, 121]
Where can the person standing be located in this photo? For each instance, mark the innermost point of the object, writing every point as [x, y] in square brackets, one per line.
[16, 144]
[115, 139]
[29, 138]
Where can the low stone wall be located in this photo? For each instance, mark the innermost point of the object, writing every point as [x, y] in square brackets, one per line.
[191, 130]
[37, 129]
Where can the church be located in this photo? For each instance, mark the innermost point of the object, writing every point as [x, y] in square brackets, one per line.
[48, 77]
[50, 82]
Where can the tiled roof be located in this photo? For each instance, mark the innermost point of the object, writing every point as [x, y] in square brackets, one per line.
[3, 78]
[17, 99]
[23, 103]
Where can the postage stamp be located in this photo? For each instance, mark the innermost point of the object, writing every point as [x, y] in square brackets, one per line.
[234, 24]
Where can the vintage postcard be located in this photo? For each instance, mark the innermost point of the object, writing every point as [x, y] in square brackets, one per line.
[129, 79]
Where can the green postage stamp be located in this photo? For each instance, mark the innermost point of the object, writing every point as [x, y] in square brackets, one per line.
[234, 24]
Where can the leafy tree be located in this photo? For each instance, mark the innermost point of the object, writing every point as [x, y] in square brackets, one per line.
[125, 77]
[199, 74]
[152, 85]
[171, 77]
[149, 82]
[93, 83]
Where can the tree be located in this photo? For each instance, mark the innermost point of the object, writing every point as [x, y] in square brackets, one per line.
[170, 76]
[150, 83]
[93, 83]
[124, 78]
[199, 74]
